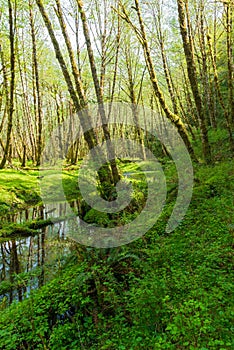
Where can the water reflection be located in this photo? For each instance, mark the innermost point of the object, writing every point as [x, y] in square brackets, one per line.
[51, 210]
[28, 263]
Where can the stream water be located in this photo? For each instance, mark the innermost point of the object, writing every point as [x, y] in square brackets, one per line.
[28, 263]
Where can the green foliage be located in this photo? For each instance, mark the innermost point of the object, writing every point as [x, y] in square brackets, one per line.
[164, 291]
[28, 228]
[95, 217]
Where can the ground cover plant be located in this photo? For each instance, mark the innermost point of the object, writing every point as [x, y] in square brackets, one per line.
[163, 291]
[107, 240]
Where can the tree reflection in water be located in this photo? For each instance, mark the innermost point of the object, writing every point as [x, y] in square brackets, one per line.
[28, 263]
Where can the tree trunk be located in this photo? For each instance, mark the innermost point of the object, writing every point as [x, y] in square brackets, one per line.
[133, 99]
[204, 66]
[28, 132]
[78, 100]
[12, 85]
[220, 97]
[229, 15]
[153, 77]
[164, 60]
[37, 81]
[191, 69]
[98, 90]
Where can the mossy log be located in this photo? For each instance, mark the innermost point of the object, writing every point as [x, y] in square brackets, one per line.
[26, 229]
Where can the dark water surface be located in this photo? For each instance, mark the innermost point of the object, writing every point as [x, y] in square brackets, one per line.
[28, 263]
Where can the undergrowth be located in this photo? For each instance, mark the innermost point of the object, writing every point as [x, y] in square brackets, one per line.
[163, 291]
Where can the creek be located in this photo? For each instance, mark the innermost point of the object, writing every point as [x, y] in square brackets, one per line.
[28, 263]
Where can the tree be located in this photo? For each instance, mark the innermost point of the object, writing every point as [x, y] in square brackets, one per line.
[158, 24]
[10, 103]
[98, 90]
[80, 101]
[191, 69]
[141, 34]
[228, 8]
[219, 93]
[38, 108]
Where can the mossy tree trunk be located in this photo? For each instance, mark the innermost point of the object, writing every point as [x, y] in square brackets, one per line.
[204, 68]
[77, 95]
[158, 22]
[99, 91]
[192, 75]
[219, 93]
[228, 6]
[175, 119]
[133, 98]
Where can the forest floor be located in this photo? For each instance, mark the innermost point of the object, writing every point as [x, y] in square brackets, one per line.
[163, 291]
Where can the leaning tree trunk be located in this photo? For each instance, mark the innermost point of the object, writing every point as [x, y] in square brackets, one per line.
[175, 119]
[78, 100]
[229, 26]
[98, 90]
[191, 69]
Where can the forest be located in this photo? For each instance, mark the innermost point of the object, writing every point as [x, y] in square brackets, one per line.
[116, 174]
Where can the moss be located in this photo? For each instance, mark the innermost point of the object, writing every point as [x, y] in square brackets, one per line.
[12, 230]
[26, 229]
[95, 217]
[21, 189]
[18, 189]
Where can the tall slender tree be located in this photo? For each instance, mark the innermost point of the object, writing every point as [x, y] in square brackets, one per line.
[10, 107]
[141, 34]
[78, 96]
[228, 8]
[192, 74]
[98, 90]
[219, 93]
[38, 108]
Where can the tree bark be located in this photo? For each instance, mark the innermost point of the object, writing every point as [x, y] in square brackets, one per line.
[98, 90]
[12, 85]
[229, 38]
[175, 119]
[220, 97]
[37, 81]
[191, 69]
